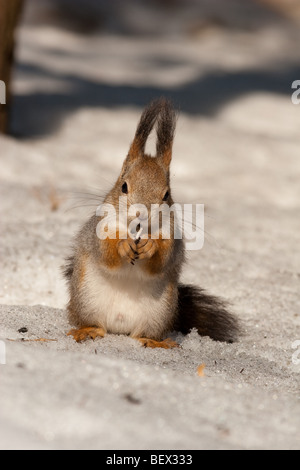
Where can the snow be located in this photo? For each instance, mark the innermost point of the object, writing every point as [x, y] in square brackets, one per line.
[78, 100]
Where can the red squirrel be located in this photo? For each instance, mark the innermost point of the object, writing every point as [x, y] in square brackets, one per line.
[131, 285]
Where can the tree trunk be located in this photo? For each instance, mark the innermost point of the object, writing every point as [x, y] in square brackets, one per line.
[10, 11]
[289, 8]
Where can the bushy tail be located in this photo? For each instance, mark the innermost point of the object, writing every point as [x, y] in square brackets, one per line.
[206, 313]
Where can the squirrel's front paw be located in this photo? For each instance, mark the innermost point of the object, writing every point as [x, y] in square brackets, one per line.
[127, 250]
[146, 248]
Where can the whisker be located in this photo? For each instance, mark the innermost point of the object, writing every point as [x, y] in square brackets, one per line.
[82, 193]
[86, 195]
[206, 233]
[78, 207]
[192, 210]
[184, 225]
[88, 200]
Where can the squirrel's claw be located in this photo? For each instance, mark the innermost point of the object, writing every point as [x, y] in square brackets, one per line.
[146, 250]
[127, 250]
[151, 343]
[82, 334]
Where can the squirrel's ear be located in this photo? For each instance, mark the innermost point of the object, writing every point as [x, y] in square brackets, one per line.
[166, 125]
[143, 131]
[162, 112]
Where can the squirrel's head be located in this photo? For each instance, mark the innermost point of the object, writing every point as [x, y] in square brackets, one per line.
[144, 179]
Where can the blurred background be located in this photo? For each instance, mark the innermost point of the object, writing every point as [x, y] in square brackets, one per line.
[202, 53]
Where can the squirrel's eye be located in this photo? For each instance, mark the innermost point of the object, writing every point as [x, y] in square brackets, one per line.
[124, 188]
[166, 196]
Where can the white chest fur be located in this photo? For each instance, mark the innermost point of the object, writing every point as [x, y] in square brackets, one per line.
[126, 302]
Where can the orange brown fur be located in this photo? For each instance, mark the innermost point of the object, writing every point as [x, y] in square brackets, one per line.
[157, 262]
[109, 253]
[85, 333]
[151, 343]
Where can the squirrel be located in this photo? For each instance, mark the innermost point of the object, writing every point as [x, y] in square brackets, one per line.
[131, 285]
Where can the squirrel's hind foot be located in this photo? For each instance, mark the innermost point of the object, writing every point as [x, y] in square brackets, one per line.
[84, 333]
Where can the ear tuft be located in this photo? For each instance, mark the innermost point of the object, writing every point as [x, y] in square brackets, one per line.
[144, 129]
[159, 111]
[166, 126]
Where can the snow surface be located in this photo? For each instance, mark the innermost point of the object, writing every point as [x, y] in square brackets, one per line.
[78, 99]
